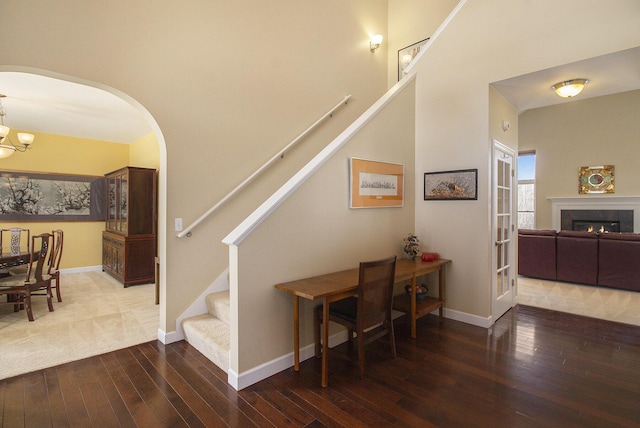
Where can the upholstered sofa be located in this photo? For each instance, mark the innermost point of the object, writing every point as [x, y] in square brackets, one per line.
[537, 253]
[607, 259]
[619, 260]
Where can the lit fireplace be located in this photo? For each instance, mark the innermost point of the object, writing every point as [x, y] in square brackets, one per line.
[596, 211]
[596, 226]
[597, 220]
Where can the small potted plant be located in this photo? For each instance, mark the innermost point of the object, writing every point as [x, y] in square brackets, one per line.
[411, 246]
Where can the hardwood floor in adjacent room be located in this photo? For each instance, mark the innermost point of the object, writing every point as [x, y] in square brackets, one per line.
[534, 368]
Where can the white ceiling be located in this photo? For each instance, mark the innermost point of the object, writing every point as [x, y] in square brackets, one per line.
[607, 74]
[43, 104]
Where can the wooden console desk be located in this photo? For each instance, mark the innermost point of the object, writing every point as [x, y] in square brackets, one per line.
[412, 270]
[338, 285]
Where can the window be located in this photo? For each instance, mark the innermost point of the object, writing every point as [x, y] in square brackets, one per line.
[527, 190]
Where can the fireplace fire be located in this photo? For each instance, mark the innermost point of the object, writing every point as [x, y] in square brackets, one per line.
[602, 221]
[596, 226]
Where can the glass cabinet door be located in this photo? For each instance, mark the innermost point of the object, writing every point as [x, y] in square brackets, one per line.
[124, 182]
[111, 201]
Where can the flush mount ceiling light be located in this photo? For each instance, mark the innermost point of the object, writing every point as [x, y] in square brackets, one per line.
[375, 42]
[569, 88]
[8, 147]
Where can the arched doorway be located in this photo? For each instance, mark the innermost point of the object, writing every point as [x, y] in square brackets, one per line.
[131, 111]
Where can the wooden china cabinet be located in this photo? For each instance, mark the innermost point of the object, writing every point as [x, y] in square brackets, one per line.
[129, 239]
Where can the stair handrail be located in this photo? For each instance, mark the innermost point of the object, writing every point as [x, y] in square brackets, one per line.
[187, 231]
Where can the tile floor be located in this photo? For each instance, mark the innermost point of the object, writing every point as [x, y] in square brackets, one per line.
[96, 315]
[597, 302]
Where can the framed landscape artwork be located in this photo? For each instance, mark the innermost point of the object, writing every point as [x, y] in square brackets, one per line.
[29, 196]
[455, 185]
[376, 184]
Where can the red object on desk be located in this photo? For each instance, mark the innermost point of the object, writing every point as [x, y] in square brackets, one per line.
[430, 257]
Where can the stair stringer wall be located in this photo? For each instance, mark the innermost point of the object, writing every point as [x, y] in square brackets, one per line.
[307, 228]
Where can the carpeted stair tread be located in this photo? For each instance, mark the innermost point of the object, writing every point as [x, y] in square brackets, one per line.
[218, 305]
[210, 336]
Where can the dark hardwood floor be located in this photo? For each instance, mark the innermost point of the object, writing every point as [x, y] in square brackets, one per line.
[534, 368]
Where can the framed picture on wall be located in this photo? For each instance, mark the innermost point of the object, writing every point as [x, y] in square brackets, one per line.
[29, 196]
[596, 179]
[375, 184]
[406, 55]
[458, 185]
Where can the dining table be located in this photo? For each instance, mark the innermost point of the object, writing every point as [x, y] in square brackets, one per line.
[337, 285]
[9, 260]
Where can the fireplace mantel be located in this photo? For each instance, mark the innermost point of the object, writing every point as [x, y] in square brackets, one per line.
[595, 203]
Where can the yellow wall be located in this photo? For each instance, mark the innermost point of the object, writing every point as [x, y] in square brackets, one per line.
[595, 131]
[67, 155]
[144, 152]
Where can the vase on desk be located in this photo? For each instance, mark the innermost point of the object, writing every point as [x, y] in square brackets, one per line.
[411, 247]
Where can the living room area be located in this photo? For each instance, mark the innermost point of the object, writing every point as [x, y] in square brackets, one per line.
[578, 206]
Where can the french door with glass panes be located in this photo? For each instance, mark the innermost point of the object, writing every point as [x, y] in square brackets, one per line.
[503, 284]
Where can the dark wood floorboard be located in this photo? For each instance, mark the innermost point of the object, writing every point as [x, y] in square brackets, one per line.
[533, 368]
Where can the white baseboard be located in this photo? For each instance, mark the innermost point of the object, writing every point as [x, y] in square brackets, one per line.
[263, 371]
[464, 317]
[284, 362]
[81, 269]
[171, 337]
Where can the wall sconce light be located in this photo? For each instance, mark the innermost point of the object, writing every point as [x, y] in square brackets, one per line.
[569, 88]
[375, 42]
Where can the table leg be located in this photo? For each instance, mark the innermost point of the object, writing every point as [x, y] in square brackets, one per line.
[440, 292]
[413, 307]
[296, 333]
[325, 343]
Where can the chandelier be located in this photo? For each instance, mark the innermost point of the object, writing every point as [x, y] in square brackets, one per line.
[8, 147]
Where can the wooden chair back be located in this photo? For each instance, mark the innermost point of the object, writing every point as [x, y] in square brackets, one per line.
[15, 240]
[42, 245]
[375, 292]
[56, 254]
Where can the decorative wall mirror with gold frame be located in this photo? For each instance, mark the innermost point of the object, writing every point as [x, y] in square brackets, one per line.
[596, 179]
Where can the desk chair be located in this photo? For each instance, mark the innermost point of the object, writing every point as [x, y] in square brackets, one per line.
[19, 288]
[372, 308]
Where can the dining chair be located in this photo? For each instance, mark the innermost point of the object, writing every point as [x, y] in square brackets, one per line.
[35, 281]
[14, 241]
[54, 263]
[371, 308]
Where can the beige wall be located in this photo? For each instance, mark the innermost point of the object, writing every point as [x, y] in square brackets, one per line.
[487, 42]
[67, 155]
[411, 21]
[595, 131]
[322, 234]
[228, 83]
